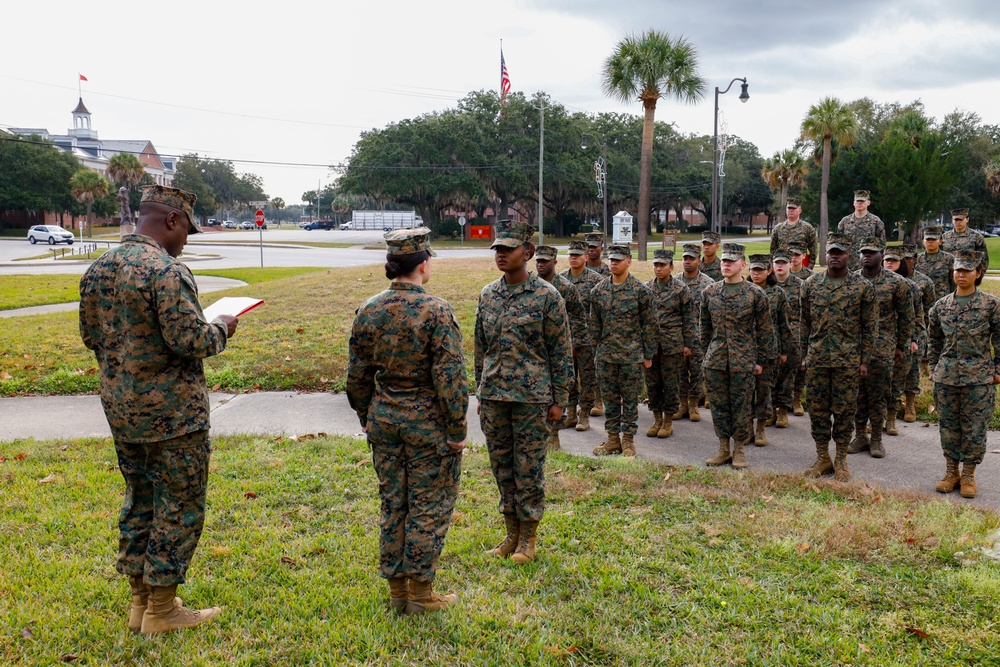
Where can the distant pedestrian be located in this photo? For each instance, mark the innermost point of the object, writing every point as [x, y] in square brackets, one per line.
[861, 225]
[839, 332]
[139, 313]
[524, 370]
[965, 367]
[406, 380]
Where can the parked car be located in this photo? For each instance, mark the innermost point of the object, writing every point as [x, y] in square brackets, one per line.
[319, 224]
[347, 225]
[246, 224]
[212, 222]
[51, 234]
[230, 224]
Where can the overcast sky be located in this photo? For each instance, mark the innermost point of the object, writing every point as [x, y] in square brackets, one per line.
[296, 82]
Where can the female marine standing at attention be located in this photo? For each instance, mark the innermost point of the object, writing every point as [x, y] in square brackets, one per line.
[406, 380]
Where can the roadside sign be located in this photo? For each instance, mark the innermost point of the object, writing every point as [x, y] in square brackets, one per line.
[461, 220]
[258, 217]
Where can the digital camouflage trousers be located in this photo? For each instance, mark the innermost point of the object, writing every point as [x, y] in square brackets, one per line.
[965, 415]
[517, 439]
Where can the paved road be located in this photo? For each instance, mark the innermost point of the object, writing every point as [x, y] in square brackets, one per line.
[913, 461]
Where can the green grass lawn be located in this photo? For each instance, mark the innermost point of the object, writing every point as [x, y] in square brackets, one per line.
[639, 564]
[23, 291]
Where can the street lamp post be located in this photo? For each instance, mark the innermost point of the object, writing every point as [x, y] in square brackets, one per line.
[604, 180]
[716, 194]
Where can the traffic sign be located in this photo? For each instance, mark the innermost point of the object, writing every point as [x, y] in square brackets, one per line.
[461, 220]
[258, 217]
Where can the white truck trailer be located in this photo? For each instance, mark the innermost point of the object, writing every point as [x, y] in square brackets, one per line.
[385, 220]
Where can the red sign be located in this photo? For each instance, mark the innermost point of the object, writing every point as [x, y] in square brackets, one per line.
[258, 217]
[479, 232]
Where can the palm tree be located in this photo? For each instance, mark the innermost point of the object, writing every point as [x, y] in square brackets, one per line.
[826, 122]
[125, 169]
[87, 185]
[992, 170]
[784, 170]
[647, 67]
[277, 204]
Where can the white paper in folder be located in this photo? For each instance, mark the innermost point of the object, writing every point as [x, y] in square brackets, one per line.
[231, 305]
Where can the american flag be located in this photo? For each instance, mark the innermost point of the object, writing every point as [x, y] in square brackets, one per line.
[504, 80]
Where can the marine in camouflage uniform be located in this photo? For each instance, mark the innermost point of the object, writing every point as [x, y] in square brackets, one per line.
[406, 381]
[794, 230]
[895, 333]
[711, 266]
[677, 335]
[839, 325]
[585, 389]
[784, 386]
[691, 385]
[797, 253]
[738, 337]
[623, 323]
[861, 225]
[894, 256]
[964, 339]
[140, 315]
[579, 324]
[595, 245]
[963, 238]
[927, 299]
[782, 345]
[937, 264]
[524, 371]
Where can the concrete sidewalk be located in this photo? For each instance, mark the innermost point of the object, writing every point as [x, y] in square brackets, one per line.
[913, 461]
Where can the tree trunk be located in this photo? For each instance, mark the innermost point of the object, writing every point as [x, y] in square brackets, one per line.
[784, 201]
[89, 207]
[645, 176]
[824, 209]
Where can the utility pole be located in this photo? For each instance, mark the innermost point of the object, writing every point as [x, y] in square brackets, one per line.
[541, 163]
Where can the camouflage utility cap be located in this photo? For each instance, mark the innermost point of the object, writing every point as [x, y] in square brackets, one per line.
[838, 241]
[595, 239]
[968, 260]
[871, 243]
[760, 261]
[733, 251]
[781, 255]
[182, 200]
[511, 233]
[960, 213]
[546, 252]
[796, 248]
[862, 195]
[662, 256]
[577, 248]
[793, 202]
[894, 252]
[932, 232]
[910, 250]
[710, 237]
[691, 250]
[619, 252]
[409, 241]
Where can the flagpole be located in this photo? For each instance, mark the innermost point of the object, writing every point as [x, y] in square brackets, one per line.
[501, 68]
[79, 85]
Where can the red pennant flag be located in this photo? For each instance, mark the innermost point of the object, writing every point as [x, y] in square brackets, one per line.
[82, 78]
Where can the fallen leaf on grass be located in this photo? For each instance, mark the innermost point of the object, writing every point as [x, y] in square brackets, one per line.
[27, 633]
[559, 652]
[250, 495]
[666, 478]
[64, 448]
[288, 561]
[569, 513]
[931, 542]
[863, 648]
[767, 499]
[216, 387]
[711, 531]
[287, 358]
[918, 632]
[814, 488]
[715, 542]
[804, 548]
[557, 472]
[48, 479]
[5, 376]
[69, 657]
[321, 434]
[361, 463]
[581, 466]
[299, 330]
[20, 457]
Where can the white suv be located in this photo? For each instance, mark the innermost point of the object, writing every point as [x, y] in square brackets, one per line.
[52, 234]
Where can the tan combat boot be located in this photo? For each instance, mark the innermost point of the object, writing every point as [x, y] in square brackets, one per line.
[823, 464]
[860, 442]
[597, 410]
[693, 414]
[569, 419]
[910, 412]
[968, 489]
[772, 419]
[509, 543]
[423, 599]
[739, 457]
[583, 420]
[526, 545]
[666, 427]
[951, 476]
[628, 444]
[682, 411]
[612, 445]
[781, 417]
[162, 615]
[140, 598]
[655, 428]
[875, 448]
[797, 409]
[890, 419]
[759, 436]
[399, 593]
[840, 471]
[722, 456]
